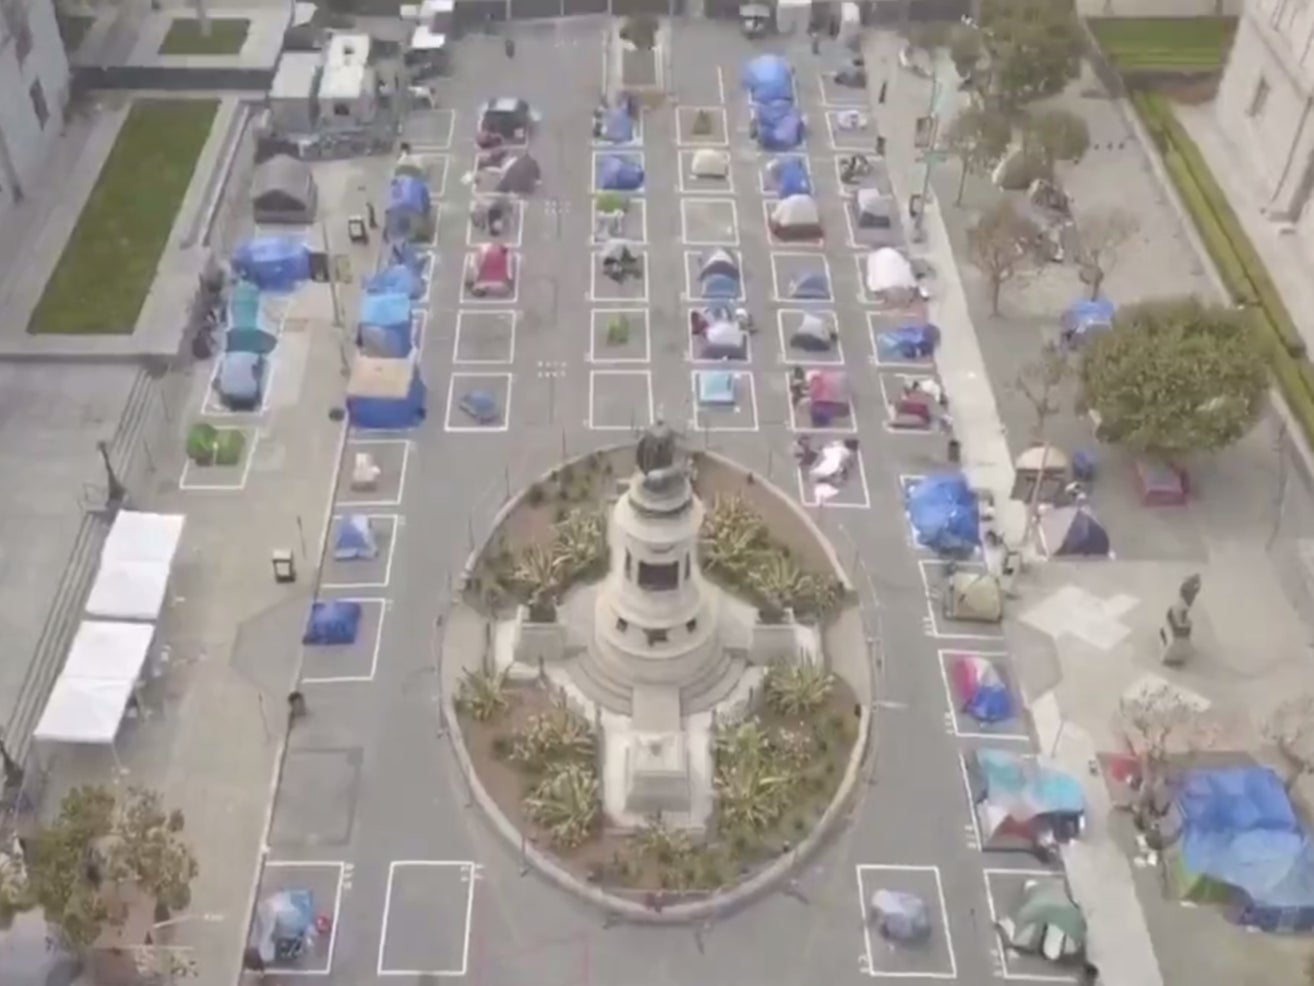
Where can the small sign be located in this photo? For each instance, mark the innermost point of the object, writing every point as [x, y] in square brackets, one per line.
[342, 268]
[924, 132]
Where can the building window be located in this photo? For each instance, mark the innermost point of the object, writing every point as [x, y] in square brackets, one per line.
[15, 16]
[692, 625]
[1260, 97]
[659, 578]
[656, 637]
[341, 109]
[39, 106]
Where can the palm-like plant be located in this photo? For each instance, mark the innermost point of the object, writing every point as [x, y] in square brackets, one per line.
[774, 577]
[579, 544]
[815, 596]
[798, 690]
[732, 533]
[565, 804]
[537, 572]
[750, 795]
[482, 694]
[553, 739]
[663, 844]
[744, 742]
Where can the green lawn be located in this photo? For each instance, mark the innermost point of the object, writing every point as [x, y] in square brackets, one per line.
[1187, 43]
[107, 267]
[226, 37]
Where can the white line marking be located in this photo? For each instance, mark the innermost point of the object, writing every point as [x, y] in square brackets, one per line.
[648, 403]
[341, 867]
[977, 842]
[628, 154]
[808, 498]
[358, 679]
[453, 402]
[740, 376]
[1000, 948]
[849, 426]
[855, 100]
[597, 324]
[518, 266]
[934, 872]
[470, 871]
[595, 272]
[805, 358]
[363, 444]
[394, 529]
[713, 205]
[716, 112]
[954, 712]
[190, 468]
[512, 314]
[720, 85]
[811, 261]
[438, 167]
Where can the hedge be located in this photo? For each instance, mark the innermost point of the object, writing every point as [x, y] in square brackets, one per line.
[1239, 265]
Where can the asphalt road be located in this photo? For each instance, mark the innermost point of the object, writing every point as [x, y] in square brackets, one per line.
[372, 814]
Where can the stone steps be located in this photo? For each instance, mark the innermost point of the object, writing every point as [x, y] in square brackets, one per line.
[710, 688]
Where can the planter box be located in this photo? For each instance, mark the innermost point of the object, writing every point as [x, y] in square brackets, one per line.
[536, 642]
[774, 643]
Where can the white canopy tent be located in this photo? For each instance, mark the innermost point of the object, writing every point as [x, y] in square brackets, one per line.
[135, 566]
[109, 650]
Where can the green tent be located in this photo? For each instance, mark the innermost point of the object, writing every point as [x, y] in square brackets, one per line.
[1199, 888]
[1045, 922]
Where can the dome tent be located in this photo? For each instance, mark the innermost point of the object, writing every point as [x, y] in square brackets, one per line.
[796, 217]
[768, 79]
[708, 162]
[283, 191]
[788, 175]
[889, 275]
[813, 335]
[272, 263]
[724, 340]
[981, 689]
[332, 623]
[519, 176]
[354, 539]
[1072, 532]
[619, 173]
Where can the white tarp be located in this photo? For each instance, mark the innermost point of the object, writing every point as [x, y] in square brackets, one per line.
[84, 710]
[143, 537]
[109, 650]
[889, 270]
[135, 566]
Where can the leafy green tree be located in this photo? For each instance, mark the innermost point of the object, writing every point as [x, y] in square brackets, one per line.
[1175, 377]
[1034, 46]
[966, 47]
[978, 137]
[1057, 136]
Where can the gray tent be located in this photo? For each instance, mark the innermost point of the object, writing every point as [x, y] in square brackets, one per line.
[814, 335]
[520, 175]
[796, 218]
[283, 191]
[707, 162]
[876, 217]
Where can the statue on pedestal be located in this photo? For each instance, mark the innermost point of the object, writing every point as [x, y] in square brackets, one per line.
[656, 457]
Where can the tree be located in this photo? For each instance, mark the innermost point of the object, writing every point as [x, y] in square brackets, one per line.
[1057, 136]
[1291, 731]
[978, 137]
[100, 845]
[965, 50]
[1035, 47]
[1175, 377]
[1161, 726]
[1004, 245]
[1100, 236]
[1039, 382]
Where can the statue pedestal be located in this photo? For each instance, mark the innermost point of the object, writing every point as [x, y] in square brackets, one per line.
[657, 775]
[1175, 647]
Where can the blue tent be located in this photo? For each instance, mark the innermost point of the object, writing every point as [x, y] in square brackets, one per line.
[239, 382]
[944, 514]
[791, 177]
[1086, 316]
[720, 286]
[404, 253]
[332, 623]
[482, 406]
[810, 287]
[619, 173]
[386, 394]
[908, 343]
[385, 325]
[617, 126]
[272, 263]
[779, 127]
[396, 279]
[1074, 532]
[1240, 831]
[981, 689]
[354, 539]
[768, 79]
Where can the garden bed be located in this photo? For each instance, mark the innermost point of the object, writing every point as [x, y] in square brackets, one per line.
[227, 36]
[1159, 44]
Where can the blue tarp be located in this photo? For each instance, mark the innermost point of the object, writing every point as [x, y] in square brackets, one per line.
[404, 253]
[332, 623]
[1026, 786]
[810, 287]
[408, 194]
[720, 286]
[900, 916]
[1239, 829]
[385, 325]
[779, 127]
[944, 514]
[251, 340]
[396, 279]
[619, 173]
[768, 79]
[617, 126]
[373, 412]
[1087, 315]
[240, 381]
[908, 343]
[1086, 536]
[792, 177]
[354, 539]
[244, 306]
[982, 689]
[482, 406]
[272, 263]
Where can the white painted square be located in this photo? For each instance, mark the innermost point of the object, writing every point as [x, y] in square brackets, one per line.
[1007, 969]
[339, 871]
[693, 260]
[745, 417]
[1009, 732]
[689, 185]
[485, 337]
[459, 966]
[635, 223]
[891, 385]
[439, 166]
[460, 383]
[878, 322]
[348, 497]
[789, 264]
[766, 187]
[382, 566]
[800, 425]
[835, 96]
[878, 965]
[842, 141]
[374, 647]
[419, 329]
[501, 301]
[221, 479]
[720, 214]
[776, 242]
[855, 486]
[906, 483]
[684, 117]
[212, 405]
[694, 351]
[787, 322]
[932, 572]
[638, 382]
[444, 131]
[623, 152]
[603, 290]
[514, 238]
[972, 830]
[639, 347]
[635, 143]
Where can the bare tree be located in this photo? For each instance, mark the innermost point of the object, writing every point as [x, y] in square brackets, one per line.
[1100, 236]
[1291, 731]
[1005, 246]
[978, 137]
[1161, 727]
[1040, 382]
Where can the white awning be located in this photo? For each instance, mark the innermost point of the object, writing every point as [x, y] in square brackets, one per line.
[128, 591]
[143, 537]
[84, 710]
[114, 651]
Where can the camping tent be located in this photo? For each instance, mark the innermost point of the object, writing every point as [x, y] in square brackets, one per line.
[409, 214]
[796, 217]
[354, 540]
[814, 335]
[1243, 843]
[707, 162]
[617, 126]
[1045, 921]
[944, 514]
[272, 263]
[283, 191]
[1086, 316]
[619, 173]
[724, 339]
[385, 328]
[718, 276]
[490, 272]
[1020, 803]
[1074, 532]
[396, 279]
[828, 397]
[332, 623]
[889, 275]
[249, 330]
[482, 406]
[900, 916]
[135, 565]
[519, 176]
[777, 126]
[789, 175]
[877, 218]
[239, 381]
[768, 79]
[717, 388]
[385, 394]
[981, 689]
[810, 286]
[908, 343]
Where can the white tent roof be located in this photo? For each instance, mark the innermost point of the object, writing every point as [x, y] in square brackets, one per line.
[889, 270]
[84, 710]
[128, 590]
[144, 537]
[103, 649]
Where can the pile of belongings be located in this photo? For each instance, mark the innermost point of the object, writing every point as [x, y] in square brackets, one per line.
[900, 917]
[919, 401]
[851, 76]
[285, 923]
[915, 343]
[814, 335]
[718, 334]
[619, 173]
[824, 392]
[1044, 921]
[853, 168]
[945, 514]
[719, 277]
[795, 218]
[1021, 804]
[850, 121]
[481, 406]
[788, 175]
[889, 277]
[516, 174]
[492, 214]
[355, 540]
[828, 467]
[491, 271]
[506, 120]
[709, 164]
[620, 261]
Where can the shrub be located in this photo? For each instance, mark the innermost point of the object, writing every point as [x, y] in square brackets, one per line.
[482, 694]
[798, 690]
[553, 739]
[566, 805]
